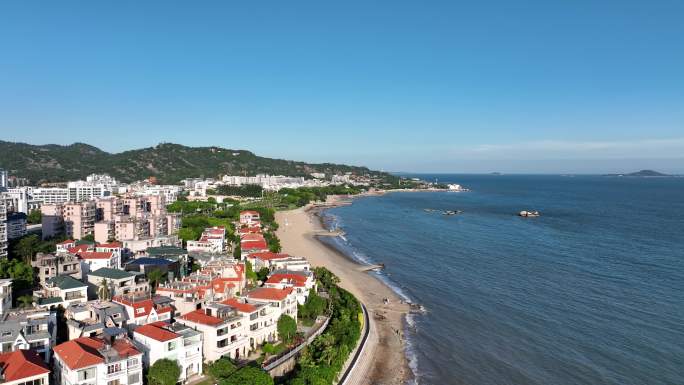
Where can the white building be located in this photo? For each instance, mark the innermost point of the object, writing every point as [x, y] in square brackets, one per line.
[143, 309]
[300, 281]
[96, 361]
[3, 179]
[250, 218]
[224, 330]
[61, 290]
[161, 340]
[28, 329]
[284, 300]
[50, 195]
[212, 241]
[89, 319]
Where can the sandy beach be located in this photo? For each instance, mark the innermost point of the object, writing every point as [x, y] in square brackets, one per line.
[383, 360]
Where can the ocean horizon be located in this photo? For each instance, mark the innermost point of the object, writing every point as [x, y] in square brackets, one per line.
[590, 292]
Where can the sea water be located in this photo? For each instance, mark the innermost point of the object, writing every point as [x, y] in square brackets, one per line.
[590, 292]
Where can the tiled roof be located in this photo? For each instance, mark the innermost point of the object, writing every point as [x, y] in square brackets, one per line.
[83, 352]
[80, 353]
[21, 364]
[267, 256]
[249, 212]
[254, 245]
[270, 293]
[157, 331]
[252, 237]
[66, 282]
[68, 241]
[295, 279]
[146, 304]
[111, 245]
[106, 272]
[95, 254]
[198, 316]
[150, 261]
[240, 306]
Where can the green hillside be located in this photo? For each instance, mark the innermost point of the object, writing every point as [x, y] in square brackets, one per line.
[169, 163]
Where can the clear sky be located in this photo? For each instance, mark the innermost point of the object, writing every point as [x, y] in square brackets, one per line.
[448, 86]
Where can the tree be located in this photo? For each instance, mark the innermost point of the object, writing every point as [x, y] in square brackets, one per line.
[89, 238]
[20, 272]
[287, 328]
[155, 277]
[221, 368]
[27, 247]
[163, 372]
[262, 274]
[249, 272]
[35, 217]
[249, 375]
[25, 300]
[103, 291]
[313, 307]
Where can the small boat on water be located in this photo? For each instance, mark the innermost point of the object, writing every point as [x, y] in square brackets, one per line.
[529, 214]
[429, 210]
[451, 212]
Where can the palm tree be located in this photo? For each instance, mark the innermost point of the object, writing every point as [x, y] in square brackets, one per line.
[103, 291]
[155, 277]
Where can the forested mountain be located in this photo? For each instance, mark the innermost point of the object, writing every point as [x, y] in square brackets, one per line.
[168, 162]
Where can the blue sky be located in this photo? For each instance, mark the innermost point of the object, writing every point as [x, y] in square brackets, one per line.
[527, 86]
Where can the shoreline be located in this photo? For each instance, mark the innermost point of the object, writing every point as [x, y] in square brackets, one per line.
[384, 360]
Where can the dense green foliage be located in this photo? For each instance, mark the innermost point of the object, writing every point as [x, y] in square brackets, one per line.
[321, 362]
[248, 190]
[262, 274]
[249, 273]
[34, 217]
[287, 328]
[314, 306]
[248, 375]
[221, 368]
[163, 372]
[304, 195]
[169, 163]
[225, 372]
[20, 272]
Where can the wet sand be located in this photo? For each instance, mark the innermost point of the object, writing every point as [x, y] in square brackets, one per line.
[383, 360]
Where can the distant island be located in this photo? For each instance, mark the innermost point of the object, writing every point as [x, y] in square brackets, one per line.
[642, 173]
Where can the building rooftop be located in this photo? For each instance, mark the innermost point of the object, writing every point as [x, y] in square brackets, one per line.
[21, 364]
[159, 331]
[109, 273]
[88, 351]
[66, 282]
[268, 293]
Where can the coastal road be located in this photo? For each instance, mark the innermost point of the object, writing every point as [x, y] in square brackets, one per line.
[360, 374]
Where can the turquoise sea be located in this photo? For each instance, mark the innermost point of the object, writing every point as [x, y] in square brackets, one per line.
[591, 292]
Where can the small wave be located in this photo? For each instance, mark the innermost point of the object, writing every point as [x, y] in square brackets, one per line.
[411, 355]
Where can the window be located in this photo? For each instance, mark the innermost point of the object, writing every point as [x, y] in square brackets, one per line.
[133, 378]
[34, 382]
[132, 362]
[171, 345]
[113, 368]
[87, 374]
[113, 382]
[140, 310]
